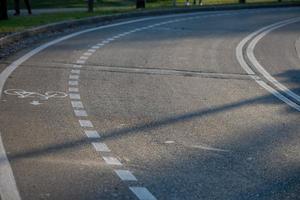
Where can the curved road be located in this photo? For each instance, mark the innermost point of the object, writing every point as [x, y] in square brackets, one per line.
[157, 108]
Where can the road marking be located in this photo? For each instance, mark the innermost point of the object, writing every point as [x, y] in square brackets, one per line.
[77, 104]
[246, 67]
[95, 47]
[259, 67]
[92, 50]
[73, 77]
[74, 96]
[88, 54]
[92, 134]
[86, 123]
[80, 113]
[73, 89]
[80, 61]
[101, 147]
[8, 187]
[20, 93]
[35, 103]
[75, 71]
[125, 175]
[83, 58]
[77, 66]
[73, 83]
[142, 193]
[111, 160]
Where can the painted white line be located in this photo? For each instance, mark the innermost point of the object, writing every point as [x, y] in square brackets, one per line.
[86, 123]
[74, 96]
[77, 66]
[142, 193]
[80, 113]
[75, 71]
[88, 54]
[125, 175]
[92, 134]
[8, 187]
[77, 104]
[246, 67]
[73, 89]
[73, 83]
[74, 77]
[101, 147]
[95, 47]
[83, 58]
[92, 50]
[105, 42]
[111, 160]
[259, 67]
[80, 61]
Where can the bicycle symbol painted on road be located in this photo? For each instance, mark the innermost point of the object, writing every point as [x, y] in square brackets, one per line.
[25, 94]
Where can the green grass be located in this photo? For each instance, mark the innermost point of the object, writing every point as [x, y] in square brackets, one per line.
[103, 7]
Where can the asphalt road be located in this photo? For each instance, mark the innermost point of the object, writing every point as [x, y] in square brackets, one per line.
[171, 104]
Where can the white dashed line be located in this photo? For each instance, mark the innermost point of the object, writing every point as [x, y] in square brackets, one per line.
[92, 134]
[73, 89]
[101, 147]
[111, 160]
[80, 61]
[83, 58]
[77, 104]
[74, 96]
[80, 113]
[73, 77]
[95, 47]
[75, 71]
[92, 50]
[125, 175]
[73, 83]
[86, 123]
[88, 54]
[77, 66]
[142, 193]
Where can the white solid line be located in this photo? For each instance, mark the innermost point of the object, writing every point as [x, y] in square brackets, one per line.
[86, 123]
[77, 104]
[142, 193]
[95, 47]
[101, 147]
[77, 66]
[75, 71]
[92, 134]
[241, 60]
[74, 96]
[73, 83]
[111, 160]
[73, 89]
[73, 77]
[8, 187]
[125, 175]
[80, 113]
[259, 67]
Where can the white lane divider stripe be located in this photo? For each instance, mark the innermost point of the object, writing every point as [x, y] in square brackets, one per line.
[92, 134]
[92, 50]
[80, 61]
[95, 47]
[80, 113]
[88, 54]
[73, 83]
[86, 123]
[74, 96]
[111, 160]
[77, 66]
[101, 147]
[77, 104]
[73, 77]
[125, 175]
[73, 89]
[142, 193]
[75, 71]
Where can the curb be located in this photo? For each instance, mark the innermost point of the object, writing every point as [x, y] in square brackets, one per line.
[16, 37]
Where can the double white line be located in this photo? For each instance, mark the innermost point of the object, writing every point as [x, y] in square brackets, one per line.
[248, 44]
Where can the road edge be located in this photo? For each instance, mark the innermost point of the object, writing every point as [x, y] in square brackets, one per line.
[53, 27]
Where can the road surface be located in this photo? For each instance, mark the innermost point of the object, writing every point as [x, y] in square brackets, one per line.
[179, 107]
